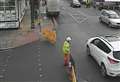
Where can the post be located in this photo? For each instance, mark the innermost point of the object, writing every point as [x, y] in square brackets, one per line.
[32, 13]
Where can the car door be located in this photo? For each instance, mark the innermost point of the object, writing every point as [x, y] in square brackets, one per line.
[106, 17]
[102, 51]
[93, 48]
[103, 16]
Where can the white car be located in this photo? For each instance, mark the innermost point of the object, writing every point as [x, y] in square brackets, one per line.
[106, 51]
[53, 7]
[110, 17]
[75, 3]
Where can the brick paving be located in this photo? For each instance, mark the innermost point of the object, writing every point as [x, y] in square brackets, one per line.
[21, 36]
[25, 34]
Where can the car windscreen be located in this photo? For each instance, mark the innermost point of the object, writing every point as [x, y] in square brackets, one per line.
[116, 54]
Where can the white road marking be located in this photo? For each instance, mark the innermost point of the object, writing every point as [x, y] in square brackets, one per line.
[3, 70]
[38, 59]
[39, 64]
[9, 56]
[1, 76]
[41, 75]
[4, 65]
[7, 60]
[40, 69]
[79, 13]
[38, 55]
[38, 81]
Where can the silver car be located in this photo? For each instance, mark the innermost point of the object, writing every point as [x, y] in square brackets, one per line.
[110, 17]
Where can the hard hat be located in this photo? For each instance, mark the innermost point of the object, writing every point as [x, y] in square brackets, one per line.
[68, 38]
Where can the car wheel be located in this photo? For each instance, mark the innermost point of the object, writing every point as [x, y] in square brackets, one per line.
[88, 51]
[110, 25]
[103, 70]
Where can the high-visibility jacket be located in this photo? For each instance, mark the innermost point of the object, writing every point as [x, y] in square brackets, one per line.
[87, 1]
[66, 47]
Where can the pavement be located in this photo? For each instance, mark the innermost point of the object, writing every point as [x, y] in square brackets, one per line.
[25, 34]
[81, 32]
[20, 62]
[34, 62]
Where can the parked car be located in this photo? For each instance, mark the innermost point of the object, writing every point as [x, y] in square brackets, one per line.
[106, 51]
[110, 17]
[53, 7]
[75, 3]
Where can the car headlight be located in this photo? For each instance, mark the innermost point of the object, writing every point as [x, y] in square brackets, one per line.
[114, 23]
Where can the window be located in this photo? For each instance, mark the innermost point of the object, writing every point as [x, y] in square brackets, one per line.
[104, 13]
[8, 10]
[95, 42]
[101, 45]
[116, 54]
[114, 16]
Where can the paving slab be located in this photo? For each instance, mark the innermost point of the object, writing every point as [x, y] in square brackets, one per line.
[25, 34]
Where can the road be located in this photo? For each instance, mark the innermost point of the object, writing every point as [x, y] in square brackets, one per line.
[43, 62]
[37, 62]
[80, 32]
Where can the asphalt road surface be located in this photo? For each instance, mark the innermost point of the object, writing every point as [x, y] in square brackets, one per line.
[81, 31]
[43, 62]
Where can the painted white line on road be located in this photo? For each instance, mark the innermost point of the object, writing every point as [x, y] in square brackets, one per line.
[38, 55]
[7, 60]
[4, 65]
[73, 17]
[40, 69]
[83, 20]
[39, 60]
[85, 81]
[39, 64]
[3, 70]
[80, 13]
[8, 56]
[38, 81]
[41, 75]
[79, 22]
[1, 76]
[39, 47]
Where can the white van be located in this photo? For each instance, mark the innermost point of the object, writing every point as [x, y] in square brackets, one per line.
[53, 7]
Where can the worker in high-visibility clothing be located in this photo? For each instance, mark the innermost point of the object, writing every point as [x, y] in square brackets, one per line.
[88, 3]
[66, 50]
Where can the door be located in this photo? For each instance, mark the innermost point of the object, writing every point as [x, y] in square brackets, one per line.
[103, 16]
[106, 17]
[94, 49]
[102, 51]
